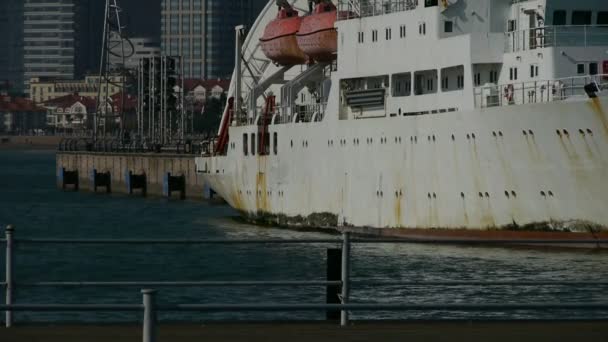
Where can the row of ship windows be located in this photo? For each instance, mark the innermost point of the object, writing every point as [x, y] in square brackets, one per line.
[370, 141]
[421, 82]
[388, 32]
[264, 148]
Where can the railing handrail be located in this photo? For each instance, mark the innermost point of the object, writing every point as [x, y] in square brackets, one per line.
[538, 91]
[308, 283]
[551, 81]
[556, 26]
[445, 241]
[554, 36]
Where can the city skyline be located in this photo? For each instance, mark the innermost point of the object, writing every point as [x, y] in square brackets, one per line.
[61, 39]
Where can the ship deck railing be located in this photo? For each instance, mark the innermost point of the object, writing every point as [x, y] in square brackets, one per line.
[537, 91]
[297, 113]
[556, 36]
[354, 9]
[338, 281]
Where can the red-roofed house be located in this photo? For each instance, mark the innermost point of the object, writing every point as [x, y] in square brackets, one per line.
[202, 90]
[70, 112]
[20, 115]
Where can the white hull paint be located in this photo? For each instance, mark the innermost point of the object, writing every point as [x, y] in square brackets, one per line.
[413, 174]
[465, 116]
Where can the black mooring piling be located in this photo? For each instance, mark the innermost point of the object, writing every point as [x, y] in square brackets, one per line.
[174, 183]
[135, 182]
[68, 178]
[334, 271]
[101, 179]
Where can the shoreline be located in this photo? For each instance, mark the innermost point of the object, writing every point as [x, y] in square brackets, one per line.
[23, 142]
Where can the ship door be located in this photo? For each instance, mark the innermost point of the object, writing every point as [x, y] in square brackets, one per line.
[419, 82]
[532, 28]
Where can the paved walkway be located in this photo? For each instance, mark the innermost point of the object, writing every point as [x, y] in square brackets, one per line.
[290, 332]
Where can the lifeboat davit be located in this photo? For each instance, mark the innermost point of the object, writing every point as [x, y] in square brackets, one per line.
[279, 42]
[318, 37]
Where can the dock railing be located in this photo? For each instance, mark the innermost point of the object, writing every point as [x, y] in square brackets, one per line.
[342, 286]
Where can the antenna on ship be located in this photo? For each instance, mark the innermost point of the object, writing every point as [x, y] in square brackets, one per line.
[116, 44]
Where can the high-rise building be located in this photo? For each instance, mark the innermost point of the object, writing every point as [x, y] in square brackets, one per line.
[202, 32]
[11, 45]
[61, 38]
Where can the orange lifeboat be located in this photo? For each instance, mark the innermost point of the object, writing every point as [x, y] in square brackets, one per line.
[279, 41]
[318, 37]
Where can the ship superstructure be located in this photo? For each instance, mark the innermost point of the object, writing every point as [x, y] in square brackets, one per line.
[467, 115]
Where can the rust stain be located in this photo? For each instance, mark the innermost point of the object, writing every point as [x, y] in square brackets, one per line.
[236, 201]
[596, 105]
[533, 149]
[412, 184]
[486, 215]
[261, 199]
[573, 155]
[588, 149]
[398, 212]
[464, 209]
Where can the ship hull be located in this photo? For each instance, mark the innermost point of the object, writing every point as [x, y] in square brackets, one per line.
[536, 168]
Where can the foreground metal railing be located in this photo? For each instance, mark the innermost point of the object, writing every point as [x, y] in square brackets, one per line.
[341, 286]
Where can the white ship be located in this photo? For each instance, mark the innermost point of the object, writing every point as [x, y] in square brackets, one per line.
[458, 117]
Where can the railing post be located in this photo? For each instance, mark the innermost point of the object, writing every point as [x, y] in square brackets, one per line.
[345, 277]
[149, 328]
[9, 273]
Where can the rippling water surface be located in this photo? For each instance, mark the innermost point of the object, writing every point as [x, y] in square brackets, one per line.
[29, 199]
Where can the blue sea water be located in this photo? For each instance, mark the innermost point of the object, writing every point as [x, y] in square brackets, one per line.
[30, 201]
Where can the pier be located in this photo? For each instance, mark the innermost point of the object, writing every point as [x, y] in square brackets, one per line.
[140, 174]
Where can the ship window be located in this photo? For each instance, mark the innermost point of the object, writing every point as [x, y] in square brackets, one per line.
[602, 18]
[512, 25]
[493, 76]
[266, 137]
[559, 18]
[402, 31]
[424, 82]
[448, 27]
[580, 69]
[581, 18]
[478, 79]
[253, 144]
[430, 3]
[361, 37]
[388, 33]
[451, 73]
[533, 70]
[513, 74]
[245, 148]
[422, 28]
[402, 84]
[593, 69]
[275, 142]
[374, 35]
